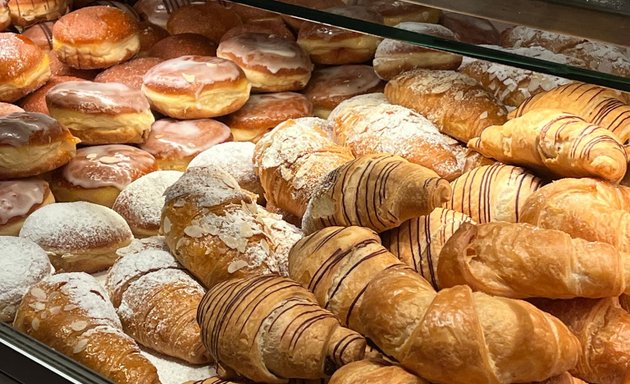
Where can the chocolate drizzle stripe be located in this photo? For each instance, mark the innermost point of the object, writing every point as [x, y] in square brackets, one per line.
[353, 304]
[307, 324]
[298, 318]
[361, 186]
[259, 298]
[342, 345]
[325, 239]
[427, 234]
[416, 251]
[298, 303]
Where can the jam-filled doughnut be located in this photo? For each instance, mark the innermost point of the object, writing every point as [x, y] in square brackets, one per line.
[36, 101]
[32, 144]
[129, 73]
[101, 113]
[24, 67]
[18, 199]
[40, 34]
[25, 13]
[98, 174]
[263, 112]
[78, 236]
[184, 44]
[271, 64]
[8, 108]
[196, 87]
[330, 86]
[149, 35]
[211, 20]
[96, 37]
[174, 143]
[274, 27]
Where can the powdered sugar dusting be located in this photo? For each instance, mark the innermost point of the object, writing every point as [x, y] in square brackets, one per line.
[390, 46]
[367, 100]
[139, 245]
[172, 371]
[236, 158]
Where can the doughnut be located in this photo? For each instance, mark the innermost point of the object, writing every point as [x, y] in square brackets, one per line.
[7, 109]
[40, 34]
[32, 144]
[116, 4]
[98, 174]
[25, 13]
[129, 73]
[263, 112]
[211, 20]
[57, 68]
[270, 27]
[184, 44]
[5, 16]
[296, 23]
[470, 29]
[196, 87]
[174, 143]
[101, 113]
[158, 11]
[36, 101]
[22, 265]
[335, 46]
[271, 64]
[395, 12]
[394, 57]
[79, 236]
[141, 202]
[149, 35]
[247, 13]
[18, 199]
[96, 37]
[330, 86]
[24, 67]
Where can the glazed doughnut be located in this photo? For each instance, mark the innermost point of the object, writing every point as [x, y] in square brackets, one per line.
[395, 12]
[7, 109]
[129, 73]
[270, 27]
[98, 174]
[96, 37]
[24, 67]
[5, 16]
[101, 113]
[18, 199]
[211, 20]
[196, 87]
[40, 34]
[335, 46]
[158, 11]
[36, 101]
[141, 202]
[263, 112]
[78, 236]
[184, 44]
[149, 34]
[25, 13]
[394, 57]
[32, 144]
[175, 143]
[271, 64]
[471, 30]
[330, 86]
[22, 265]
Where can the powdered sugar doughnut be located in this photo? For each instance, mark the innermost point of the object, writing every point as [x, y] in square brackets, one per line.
[78, 236]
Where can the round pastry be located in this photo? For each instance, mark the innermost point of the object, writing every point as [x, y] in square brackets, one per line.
[18, 199]
[101, 113]
[330, 86]
[98, 174]
[36, 101]
[211, 20]
[116, 4]
[149, 35]
[96, 37]
[129, 73]
[141, 202]
[471, 30]
[40, 34]
[78, 236]
[248, 13]
[196, 87]
[394, 57]
[22, 265]
[335, 46]
[24, 67]
[57, 68]
[174, 143]
[263, 112]
[158, 11]
[395, 12]
[296, 23]
[32, 144]
[271, 64]
[7, 109]
[25, 13]
[5, 16]
[270, 27]
[184, 44]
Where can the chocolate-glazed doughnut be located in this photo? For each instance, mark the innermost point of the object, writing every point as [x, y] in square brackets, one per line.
[24, 67]
[18, 199]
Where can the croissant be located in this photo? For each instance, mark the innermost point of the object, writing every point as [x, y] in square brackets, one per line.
[217, 232]
[218, 380]
[293, 159]
[71, 313]
[493, 193]
[157, 304]
[375, 191]
[564, 378]
[454, 336]
[373, 372]
[270, 329]
[555, 142]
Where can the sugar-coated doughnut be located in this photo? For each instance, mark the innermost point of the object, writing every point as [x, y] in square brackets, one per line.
[395, 11]
[5, 16]
[183, 44]
[96, 37]
[98, 174]
[211, 20]
[196, 87]
[20, 198]
[78, 236]
[24, 67]
[22, 265]
[271, 64]
[149, 35]
[25, 13]
[330, 86]
[8, 108]
[470, 29]
[158, 11]
[141, 202]
[40, 34]
[36, 101]
[32, 144]
[129, 73]
[274, 27]
[101, 113]
[263, 112]
[174, 143]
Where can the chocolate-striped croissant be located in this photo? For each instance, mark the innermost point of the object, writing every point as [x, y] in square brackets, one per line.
[375, 191]
[374, 372]
[270, 329]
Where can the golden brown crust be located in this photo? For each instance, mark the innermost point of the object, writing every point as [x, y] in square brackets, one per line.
[24, 67]
[28, 12]
[272, 27]
[41, 35]
[211, 20]
[149, 35]
[36, 101]
[374, 372]
[183, 44]
[469, 29]
[129, 73]
[95, 25]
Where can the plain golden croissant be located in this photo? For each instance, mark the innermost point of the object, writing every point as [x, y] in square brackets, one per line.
[375, 191]
[157, 302]
[217, 232]
[556, 143]
[519, 260]
[493, 193]
[270, 329]
[71, 313]
[292, 160]
[374, 372]
[454, 336]
[218, 380]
